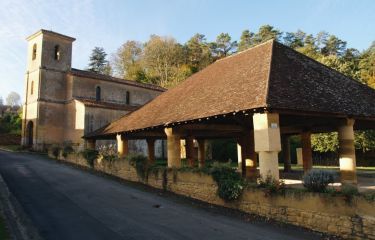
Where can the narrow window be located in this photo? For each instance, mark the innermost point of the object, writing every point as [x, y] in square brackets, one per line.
[57, 52]
[127, 97]
[32, 88]
[34, 52]
[97, 96]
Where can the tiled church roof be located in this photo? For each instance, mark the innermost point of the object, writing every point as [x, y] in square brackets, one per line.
[88, 74]
[107, 105]
[269, 75]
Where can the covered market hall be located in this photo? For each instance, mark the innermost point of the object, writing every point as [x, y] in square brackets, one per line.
[260, 97]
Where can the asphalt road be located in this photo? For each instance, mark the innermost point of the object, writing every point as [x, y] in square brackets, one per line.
[67, 203]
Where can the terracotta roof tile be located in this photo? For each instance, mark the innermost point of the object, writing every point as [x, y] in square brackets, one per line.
[88, 74]
[108, 105]
[269, 75]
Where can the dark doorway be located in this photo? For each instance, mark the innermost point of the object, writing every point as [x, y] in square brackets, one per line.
[29, 133]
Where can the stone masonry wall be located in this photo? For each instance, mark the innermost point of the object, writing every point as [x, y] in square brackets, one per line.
[328, 214]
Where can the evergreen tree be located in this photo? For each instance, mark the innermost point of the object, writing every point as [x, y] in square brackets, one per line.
[267, 32]
[246, 41]
[223, 46]
[98, 62]
[198, 52]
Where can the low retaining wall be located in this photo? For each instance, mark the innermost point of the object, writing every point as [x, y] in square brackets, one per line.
[320, 212]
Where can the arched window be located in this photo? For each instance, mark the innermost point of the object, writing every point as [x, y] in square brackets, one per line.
[34, 52]
[97, 93]
[127, 100]
[32, 88]
[57, 52]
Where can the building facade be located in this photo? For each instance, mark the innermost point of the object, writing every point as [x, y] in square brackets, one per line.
[62, 104]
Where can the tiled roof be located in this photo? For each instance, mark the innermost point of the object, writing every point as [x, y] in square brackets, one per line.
[269, 75]
[107, 105]
[88, 74]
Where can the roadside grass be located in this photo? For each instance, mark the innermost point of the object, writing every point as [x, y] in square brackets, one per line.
[4, 234]
[12, 148]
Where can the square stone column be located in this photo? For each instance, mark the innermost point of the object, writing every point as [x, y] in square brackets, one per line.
[246, 155]
[306, 151]
[174, 148]
[201, 152]
[151, 151]
[122, 145]
[90, 144]
[347, 153]
[267, 143]
[190, 151]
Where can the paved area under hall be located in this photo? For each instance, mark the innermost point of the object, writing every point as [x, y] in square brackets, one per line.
[68, 203]
[366, 178]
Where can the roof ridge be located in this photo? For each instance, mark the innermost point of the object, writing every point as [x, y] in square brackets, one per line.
[269, 73]
[126, 81]
[248, 49]
[329, 68]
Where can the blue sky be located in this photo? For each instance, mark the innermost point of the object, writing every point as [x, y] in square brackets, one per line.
[109, 23]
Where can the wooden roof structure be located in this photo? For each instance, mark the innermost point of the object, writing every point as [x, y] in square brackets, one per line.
[269, 77]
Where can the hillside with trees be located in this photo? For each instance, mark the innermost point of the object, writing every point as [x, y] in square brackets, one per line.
[166, 62]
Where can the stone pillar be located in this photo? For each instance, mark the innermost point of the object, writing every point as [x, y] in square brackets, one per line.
[347, 153]
[151, 151]
[190, 151]
[247, 155]
[90, 144]
[267, 143]
[174, 148]
[306, 151]
[286, 153]
[122, 145]
[201, 152]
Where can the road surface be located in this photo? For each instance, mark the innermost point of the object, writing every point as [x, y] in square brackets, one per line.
[68, 203]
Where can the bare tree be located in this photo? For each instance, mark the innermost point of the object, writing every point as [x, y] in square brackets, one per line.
[13, 99]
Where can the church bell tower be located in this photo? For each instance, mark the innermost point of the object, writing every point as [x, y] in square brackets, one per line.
[49, 57]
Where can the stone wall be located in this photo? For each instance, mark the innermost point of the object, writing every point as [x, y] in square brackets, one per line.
[334, 215]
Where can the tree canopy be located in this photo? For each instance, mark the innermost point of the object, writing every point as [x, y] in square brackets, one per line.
[162, 60]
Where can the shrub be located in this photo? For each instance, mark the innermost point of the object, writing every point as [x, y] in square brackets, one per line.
[67, 150]
[108, 153]
[229, 182]
[139, 162]
[349, 191]
[90, 155]
[317, 180]
[271, 185]
[55, 151]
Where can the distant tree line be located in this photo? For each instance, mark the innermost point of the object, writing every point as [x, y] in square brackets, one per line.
[165, 62]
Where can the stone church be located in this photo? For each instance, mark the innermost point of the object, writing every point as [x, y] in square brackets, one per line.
[62, 104]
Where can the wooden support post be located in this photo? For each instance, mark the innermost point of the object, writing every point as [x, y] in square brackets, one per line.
[286, 153]
[90, 144]
[306, 151]
[151, 150]
[247, 155]
[190, 151]
[201, 152]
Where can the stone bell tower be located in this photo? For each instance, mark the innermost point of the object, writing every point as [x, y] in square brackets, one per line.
[49, 57]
